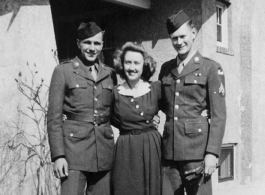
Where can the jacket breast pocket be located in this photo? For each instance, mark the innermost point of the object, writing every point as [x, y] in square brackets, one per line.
[107, 87]
[78, 91]
[195, 88]
[168, 89]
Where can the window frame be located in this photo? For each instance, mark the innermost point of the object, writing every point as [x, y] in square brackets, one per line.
[231, 166]
[224, 25]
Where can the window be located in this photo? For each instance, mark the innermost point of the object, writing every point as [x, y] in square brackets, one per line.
[224, 27]
[221, 14]
[226, 169]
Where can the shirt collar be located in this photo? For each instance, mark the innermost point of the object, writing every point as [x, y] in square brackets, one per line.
[185, 62]
[142, 89]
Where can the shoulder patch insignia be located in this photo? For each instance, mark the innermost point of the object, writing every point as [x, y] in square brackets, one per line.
[222, 90]
[220, 72]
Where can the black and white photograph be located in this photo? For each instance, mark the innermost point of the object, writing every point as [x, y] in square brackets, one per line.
[132, 97]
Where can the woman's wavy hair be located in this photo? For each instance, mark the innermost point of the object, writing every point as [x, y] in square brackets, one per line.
[149, 66]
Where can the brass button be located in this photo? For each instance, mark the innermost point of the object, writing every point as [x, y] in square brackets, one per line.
[76, 64]
[178, 81]
[132, 100]
[147, 122]
[95, 111]
[77, 85]
[96, 99]
[141, 113]
[137, 106]
[95, 87]
[177, 93]
[199, 130]
[195, 81]
[71, 135]
[176, 106]
[176, 118]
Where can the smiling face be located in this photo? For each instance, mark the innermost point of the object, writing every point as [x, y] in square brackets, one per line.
[91, 47]
[133, 66]
[182, 39]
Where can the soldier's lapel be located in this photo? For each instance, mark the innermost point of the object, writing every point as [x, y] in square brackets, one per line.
[81, 69]
[103, 72]
[174, 69]
[193, 64]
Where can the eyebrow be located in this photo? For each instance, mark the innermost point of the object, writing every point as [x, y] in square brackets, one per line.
[88, 41]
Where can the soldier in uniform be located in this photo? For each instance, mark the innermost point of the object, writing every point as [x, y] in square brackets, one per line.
[191, 84]
[82, 145]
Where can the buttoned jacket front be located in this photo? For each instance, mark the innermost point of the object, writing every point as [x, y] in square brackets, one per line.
[187, 134]
[73, 91]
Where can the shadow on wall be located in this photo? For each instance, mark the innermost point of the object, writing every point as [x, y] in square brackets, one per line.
[149, 25]
[8, 6]
[120, 23]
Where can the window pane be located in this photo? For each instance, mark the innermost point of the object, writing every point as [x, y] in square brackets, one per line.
[217, 14]
[219, 33]
[220, 15]
[226, 170]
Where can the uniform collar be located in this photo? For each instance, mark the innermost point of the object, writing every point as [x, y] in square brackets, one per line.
[188, 58]
[142, 89]
[191, 64]
[82, 70]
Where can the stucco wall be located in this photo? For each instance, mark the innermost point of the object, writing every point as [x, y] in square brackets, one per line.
[26, 37]
[258, 90]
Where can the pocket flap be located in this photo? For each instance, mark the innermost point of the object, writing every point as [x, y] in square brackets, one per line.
[107, 85]
[196, 126]
[109, 133]
[195, 80]
[74, 131]
[77, 85]
[167, 81]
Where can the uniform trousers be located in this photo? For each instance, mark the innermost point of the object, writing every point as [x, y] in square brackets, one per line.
[89, 183]
[174, 182]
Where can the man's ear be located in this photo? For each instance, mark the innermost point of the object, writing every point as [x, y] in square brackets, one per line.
[78, 43]
[194, 32]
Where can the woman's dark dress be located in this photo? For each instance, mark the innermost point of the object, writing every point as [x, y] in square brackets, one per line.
[137, 166]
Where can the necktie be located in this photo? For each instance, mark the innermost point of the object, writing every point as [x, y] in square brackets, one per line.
[93, 72]
[180, 67]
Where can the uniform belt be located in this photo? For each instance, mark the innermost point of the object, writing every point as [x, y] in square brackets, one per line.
[137, 132]
[199, 118]
[97, 120]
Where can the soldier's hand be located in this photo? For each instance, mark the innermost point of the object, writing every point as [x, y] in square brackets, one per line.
[64, 117]
[156, 121]
[210, 161]
[60, 168]
[205, 113]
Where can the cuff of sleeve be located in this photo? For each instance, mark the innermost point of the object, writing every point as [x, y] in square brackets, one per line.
[58, 153]
[213, 150]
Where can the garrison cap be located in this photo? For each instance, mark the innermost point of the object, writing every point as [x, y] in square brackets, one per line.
[176, 20]
[87, 30]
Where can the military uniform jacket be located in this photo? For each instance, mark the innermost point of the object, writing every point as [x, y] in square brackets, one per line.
[200, 85]
[86, 145]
